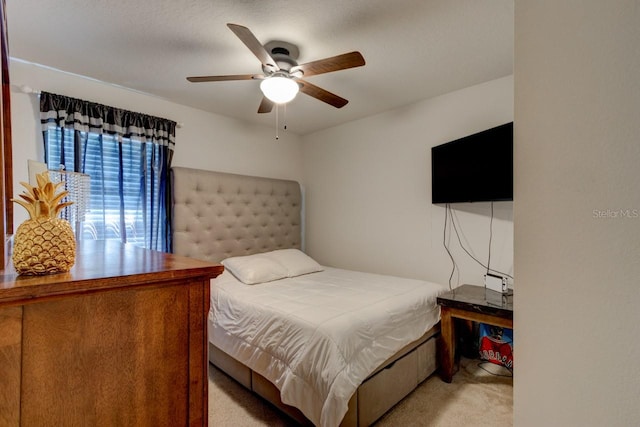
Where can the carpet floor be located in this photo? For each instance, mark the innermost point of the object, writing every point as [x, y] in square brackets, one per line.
[481, 394]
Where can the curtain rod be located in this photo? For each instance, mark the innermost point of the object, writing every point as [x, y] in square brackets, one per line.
[28, 90]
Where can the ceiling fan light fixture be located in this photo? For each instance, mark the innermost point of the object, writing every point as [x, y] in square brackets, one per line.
[279, 89]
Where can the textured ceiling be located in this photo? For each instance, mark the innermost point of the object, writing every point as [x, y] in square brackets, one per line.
[414, 49]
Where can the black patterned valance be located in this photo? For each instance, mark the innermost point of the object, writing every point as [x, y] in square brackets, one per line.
[85, 116]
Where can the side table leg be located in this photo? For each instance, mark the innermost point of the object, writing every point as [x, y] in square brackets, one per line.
[447, 345]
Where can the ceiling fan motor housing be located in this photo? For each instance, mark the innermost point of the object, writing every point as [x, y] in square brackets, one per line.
[285, 55]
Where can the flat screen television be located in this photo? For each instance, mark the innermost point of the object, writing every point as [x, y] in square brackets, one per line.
[476, 168]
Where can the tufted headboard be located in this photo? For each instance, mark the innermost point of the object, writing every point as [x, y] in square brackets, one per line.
[217, 215]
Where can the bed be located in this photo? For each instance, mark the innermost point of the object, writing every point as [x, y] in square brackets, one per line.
[327, 346]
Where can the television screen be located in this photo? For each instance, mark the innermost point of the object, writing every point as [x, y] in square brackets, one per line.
[476, 168]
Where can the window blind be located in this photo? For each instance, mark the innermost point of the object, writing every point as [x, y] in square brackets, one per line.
[122, 204]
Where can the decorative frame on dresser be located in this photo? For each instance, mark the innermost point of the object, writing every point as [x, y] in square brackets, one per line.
[121, 339]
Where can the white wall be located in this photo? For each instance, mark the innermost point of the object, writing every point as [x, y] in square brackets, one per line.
[205, 141]
[368, 189]
[577, 230]
[389, 227]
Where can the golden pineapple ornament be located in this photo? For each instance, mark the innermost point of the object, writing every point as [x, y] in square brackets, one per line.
[43, 244]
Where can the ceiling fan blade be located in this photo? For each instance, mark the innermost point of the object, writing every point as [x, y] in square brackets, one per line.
[321, 94]
[225, 78]
[265, 105]
[254, 45]
[335, 63]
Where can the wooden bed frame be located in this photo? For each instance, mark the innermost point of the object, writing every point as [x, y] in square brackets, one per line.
[218, 215]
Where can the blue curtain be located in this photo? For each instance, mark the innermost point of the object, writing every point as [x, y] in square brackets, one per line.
[127, 156]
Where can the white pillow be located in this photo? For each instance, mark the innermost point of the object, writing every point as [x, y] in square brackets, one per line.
[252, 269]
[294, 261]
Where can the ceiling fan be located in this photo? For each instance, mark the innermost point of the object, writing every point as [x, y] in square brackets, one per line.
[282, 75]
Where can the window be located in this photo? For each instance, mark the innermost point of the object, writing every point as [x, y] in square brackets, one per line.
[127, 156]
[124, 209]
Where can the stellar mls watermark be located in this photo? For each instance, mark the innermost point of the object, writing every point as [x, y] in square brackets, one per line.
[616, 213]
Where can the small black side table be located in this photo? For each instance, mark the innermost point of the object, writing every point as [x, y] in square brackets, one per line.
[474, 303]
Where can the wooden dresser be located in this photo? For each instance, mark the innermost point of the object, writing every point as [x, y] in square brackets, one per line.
[120, 340]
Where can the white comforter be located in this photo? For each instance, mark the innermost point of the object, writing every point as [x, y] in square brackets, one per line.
[318, 336]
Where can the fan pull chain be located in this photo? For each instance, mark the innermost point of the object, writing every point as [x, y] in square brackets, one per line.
[284, 118]
[277, 108]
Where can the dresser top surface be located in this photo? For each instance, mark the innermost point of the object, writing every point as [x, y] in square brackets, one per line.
[103, 265]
